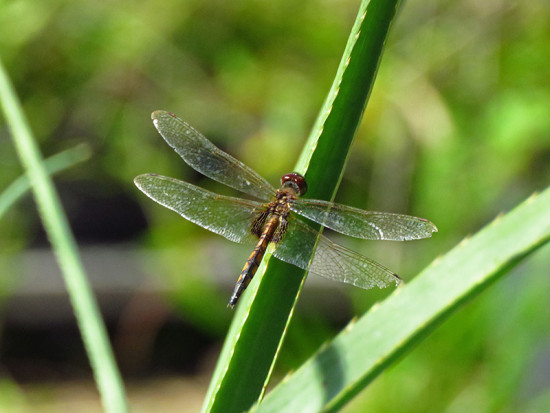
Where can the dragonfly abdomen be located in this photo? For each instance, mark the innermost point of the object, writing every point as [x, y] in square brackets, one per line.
[254, 260]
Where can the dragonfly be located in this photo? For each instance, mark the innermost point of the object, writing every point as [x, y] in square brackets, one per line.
[274, 220]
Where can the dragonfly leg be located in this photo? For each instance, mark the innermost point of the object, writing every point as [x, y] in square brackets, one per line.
[281, 230]
[259, 223]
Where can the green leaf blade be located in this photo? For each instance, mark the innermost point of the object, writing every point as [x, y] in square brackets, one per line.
[93, 331]
[357, 355]
[54, 164]
[263, 315]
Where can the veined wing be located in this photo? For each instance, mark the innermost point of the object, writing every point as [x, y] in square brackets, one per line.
[330, 260]
[364, 224]
[229, 217]
[203, 156]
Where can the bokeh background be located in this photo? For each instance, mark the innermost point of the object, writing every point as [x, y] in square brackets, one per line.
[457, 130]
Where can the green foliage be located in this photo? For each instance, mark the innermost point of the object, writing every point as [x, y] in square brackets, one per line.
[54, 164]
[455, 130]
[367, 346]
[257, 332]
[85, 307]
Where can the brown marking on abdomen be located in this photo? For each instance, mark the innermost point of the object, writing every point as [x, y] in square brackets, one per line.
[253, 262]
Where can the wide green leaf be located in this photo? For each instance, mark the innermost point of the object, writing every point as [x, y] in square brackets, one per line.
[358, 354]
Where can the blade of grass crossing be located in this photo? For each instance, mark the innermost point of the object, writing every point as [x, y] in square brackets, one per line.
[53, 164]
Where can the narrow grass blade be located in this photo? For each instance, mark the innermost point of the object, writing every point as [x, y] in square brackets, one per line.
[357, 355]
[85, 307]
[262, 317]
[53, 164]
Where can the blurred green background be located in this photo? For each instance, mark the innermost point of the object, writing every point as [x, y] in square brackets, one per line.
[457, 130]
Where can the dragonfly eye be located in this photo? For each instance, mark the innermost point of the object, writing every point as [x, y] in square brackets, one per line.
[296, 182]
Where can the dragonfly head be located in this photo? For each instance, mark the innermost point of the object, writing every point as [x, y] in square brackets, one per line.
[295, 181]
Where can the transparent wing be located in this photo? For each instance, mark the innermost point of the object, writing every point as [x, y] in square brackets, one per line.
[202, 155]
[364, 224]
[330, 260]
[229, 217]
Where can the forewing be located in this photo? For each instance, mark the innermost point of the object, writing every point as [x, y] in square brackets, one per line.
[229, 217]
[364, 224]
[202, 155]
[330, 260]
